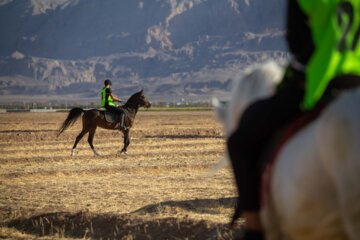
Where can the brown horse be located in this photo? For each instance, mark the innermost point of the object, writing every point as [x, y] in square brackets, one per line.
[93, 118]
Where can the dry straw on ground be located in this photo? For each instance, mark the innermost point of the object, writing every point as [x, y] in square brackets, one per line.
[160, 190]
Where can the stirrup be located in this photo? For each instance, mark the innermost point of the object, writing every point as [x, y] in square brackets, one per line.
[119, 127]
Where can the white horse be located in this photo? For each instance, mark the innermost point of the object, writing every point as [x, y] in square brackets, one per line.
[315, 187]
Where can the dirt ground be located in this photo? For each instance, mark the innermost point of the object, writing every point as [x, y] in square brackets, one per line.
[162, 189]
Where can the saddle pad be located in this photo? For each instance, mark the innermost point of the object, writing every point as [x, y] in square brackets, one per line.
[112, 117]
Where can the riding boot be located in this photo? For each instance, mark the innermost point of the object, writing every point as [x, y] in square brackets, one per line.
[121, 125]
[118, 126]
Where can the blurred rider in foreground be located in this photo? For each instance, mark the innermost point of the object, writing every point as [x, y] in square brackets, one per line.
[323, 38]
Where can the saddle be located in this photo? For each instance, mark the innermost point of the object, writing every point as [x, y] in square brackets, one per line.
[112, 117]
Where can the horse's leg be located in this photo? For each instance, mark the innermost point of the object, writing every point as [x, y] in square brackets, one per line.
[85, 128]
[78, 138]
[90, 139]
[126, 142]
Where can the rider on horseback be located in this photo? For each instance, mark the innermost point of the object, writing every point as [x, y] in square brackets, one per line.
[107, 101]
[323, 38]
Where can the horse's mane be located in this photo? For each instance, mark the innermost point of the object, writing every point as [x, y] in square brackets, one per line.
[132, 101]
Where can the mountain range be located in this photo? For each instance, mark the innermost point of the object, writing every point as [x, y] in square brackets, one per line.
[173, 49]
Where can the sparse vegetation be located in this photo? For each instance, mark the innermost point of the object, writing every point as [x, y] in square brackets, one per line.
[161, 190]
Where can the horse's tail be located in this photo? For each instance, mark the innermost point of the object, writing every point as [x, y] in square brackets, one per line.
[72, 117]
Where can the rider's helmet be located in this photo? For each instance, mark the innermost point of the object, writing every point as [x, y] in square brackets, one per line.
[107, 82]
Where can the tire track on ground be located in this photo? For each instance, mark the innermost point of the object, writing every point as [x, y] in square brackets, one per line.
[178, 149]
[161, 133]
[150, 142]
[134, 147]
[170, 154]
[113, 170]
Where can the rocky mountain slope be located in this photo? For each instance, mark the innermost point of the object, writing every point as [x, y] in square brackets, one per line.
[182, 48]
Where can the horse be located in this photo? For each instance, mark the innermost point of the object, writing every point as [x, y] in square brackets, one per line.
[314, 190]
[94, 118]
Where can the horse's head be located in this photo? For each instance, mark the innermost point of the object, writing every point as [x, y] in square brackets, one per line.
[257, 82]
[139, 100]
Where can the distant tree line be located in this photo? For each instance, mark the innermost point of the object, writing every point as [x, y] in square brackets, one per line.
[68, 105]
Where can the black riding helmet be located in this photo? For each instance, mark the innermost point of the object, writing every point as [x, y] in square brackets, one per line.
[107, 82]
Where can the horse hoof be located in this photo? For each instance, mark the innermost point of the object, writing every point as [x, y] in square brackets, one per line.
[73, 152]
[121, 152]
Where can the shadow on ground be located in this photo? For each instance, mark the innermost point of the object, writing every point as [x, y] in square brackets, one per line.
[133, 225]
[184, 136]
[210, 206]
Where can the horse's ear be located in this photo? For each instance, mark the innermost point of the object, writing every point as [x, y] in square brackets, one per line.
[142, 91]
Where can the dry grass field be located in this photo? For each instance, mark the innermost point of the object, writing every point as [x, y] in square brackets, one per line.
[160, 190]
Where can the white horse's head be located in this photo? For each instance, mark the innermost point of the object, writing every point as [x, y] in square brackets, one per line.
[257, 82]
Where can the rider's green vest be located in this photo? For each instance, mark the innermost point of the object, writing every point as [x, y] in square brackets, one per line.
[335, 28]
[109, 100]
